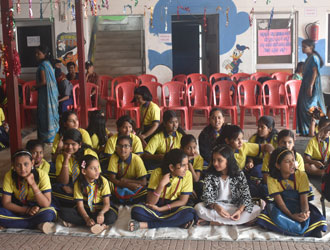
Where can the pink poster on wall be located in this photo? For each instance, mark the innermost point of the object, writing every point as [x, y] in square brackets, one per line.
[274, 42]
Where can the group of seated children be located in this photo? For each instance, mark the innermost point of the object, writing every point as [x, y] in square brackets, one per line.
[159, 172]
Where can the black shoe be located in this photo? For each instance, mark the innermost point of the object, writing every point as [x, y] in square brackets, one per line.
[317, 234]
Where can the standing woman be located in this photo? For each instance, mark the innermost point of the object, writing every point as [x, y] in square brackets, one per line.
[310, 93]
[47, 111]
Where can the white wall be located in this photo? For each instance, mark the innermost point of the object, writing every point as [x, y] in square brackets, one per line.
[152, 42]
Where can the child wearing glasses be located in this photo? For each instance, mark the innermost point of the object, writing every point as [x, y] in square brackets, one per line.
[127, 172]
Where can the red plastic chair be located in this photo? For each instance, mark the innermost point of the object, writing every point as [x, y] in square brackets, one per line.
[248, 99]
[125, 95]
[172, 94]
[273, 100]
[238, 77]
[146, 78]
[283, 77]
[74, 82]
[221, 99]
[133, 78]
[198, 94]
[106, 94]
[258, 75]
[92, 101]
[179, 78]
[29, 101]
[292, 88]
[196, 77]
[218, 77]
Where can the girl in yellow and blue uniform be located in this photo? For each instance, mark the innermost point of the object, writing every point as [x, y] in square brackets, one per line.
[168, 192]
[97, 131]
[266, 133]
[150, 113]
[168, 136]
[26, 199]
[317, 152]
[92, 194]
[125, 126]
[232, 135]
[36, 148]
[196, 162]
[290, 213]
[67, 167]
[128, 173]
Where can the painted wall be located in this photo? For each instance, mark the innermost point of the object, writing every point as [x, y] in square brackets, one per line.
[235, 38]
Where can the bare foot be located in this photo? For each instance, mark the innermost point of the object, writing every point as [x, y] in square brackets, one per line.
[2, 228]
[98, 228]
[67, 224]
[202, 222]
[47, 227]
[214, 223]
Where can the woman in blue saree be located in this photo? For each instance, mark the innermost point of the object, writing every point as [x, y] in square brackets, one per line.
[310, 93]
[47, 110]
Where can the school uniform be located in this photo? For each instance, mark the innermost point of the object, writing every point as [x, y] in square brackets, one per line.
[4, 136]
[92, 198]
[198, 165]
[110, 146]
[132, 168]
[61, 197]
[318, 151]
[2, 116]
[65, 89]
[161, 143]
[150, 113]
[85, 139]
[290, 190]
[44, 165]
[23, 195]
[247, 149]
[175, 217]
[206, 142]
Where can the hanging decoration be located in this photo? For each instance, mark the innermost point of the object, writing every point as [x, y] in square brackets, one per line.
[73, 12]
[128, 6]
[305, 1]
[267, 1]
[41, 16]
[205, 21]
[85, 8]
[30, 9]
[51, 11]
[255, 1]
[18, 6]
[166, 18]
[57, 3]
[270, 18]
[136, 3]
[105, 4]
[183, 8]
[251, 16]
[4, 61]
[11, 27]
[227, 17]
[218, 8]
[93, 4]
[291, 17]
[62, 12]
[99, 7]
[151, 17]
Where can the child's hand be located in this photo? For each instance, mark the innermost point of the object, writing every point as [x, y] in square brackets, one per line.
[305, 215]
[100, 218]
[222, 212]
[153, 207]
[60, 144]
[30, 179]
[236, 216]
[66, 155]
[190, 166]
[133, 186]
[68, 189]
[298, 217]
[318, 164]
[89, 222]
[33, 210]
[166, 179]
[269, 148]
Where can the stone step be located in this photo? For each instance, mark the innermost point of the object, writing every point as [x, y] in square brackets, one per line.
[99, 55]
[118, 62]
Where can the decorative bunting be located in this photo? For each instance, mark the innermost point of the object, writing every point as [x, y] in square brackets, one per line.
[51, 11]
[267, 1]
[270, 18]
[218, 8]
[18, 6]
[291, 17]
[41, 16]
[183, 8]
[151, 17]
[128, 6]
[227, 17]
[205, 21]
[73, 12]
[30, 9]
[166, 18]
[251, 16]
[136, 3]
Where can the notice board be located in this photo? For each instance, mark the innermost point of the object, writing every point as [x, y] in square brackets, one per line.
[274, 42]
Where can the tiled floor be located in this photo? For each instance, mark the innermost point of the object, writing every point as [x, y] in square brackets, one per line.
[40, 241]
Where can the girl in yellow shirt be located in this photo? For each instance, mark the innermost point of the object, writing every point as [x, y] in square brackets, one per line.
[92, 195]
[26, 199]
[168, 192]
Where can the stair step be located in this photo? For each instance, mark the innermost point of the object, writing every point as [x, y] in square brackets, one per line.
[118, 62]
[117, 54]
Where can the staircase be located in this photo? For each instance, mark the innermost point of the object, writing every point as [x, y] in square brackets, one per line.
[118, 52]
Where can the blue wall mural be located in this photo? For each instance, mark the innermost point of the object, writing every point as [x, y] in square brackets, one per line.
[238, 23]
[320, 48]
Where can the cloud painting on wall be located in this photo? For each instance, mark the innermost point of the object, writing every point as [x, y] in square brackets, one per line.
[236, 23]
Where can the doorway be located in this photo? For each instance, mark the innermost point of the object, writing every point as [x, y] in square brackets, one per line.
[195, 47]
